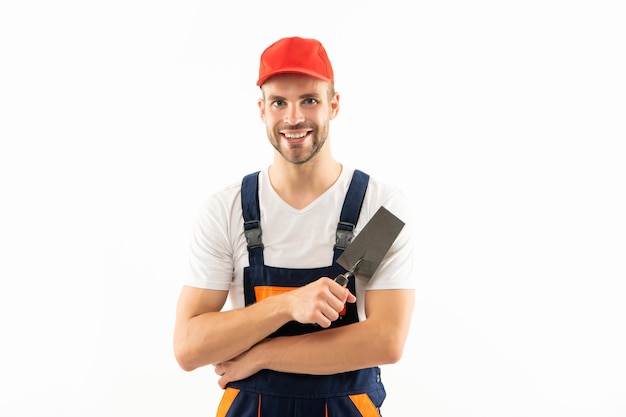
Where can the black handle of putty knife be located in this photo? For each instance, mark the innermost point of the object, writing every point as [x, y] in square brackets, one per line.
[342, 279]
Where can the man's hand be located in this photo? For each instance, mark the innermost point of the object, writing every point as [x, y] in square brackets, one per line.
[236, 369]
[319, 302]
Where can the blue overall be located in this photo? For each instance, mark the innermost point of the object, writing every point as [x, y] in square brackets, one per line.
[278, 394]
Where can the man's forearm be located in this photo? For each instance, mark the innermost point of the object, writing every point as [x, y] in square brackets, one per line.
[343, 349]
[214, 337]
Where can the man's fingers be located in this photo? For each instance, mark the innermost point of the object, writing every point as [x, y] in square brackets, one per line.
[343, 294]
[319, 302]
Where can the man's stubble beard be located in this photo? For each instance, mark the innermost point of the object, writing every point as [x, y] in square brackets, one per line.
[294, 155]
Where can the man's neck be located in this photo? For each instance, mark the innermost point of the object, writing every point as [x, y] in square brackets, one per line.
[300, 185]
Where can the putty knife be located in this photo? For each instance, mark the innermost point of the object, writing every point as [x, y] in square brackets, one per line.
[365, 253]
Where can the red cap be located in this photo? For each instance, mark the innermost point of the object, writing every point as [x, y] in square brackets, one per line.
[295, 55]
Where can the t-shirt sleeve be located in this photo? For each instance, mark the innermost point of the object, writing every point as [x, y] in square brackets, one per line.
[210, 251]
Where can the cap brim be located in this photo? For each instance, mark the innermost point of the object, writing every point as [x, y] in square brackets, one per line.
[293, 71]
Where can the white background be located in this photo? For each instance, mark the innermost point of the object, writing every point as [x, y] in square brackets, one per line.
[503, 121]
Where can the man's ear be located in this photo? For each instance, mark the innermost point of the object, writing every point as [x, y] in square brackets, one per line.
[261, 104]
[334, 106]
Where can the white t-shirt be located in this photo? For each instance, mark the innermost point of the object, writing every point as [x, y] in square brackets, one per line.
[292, 238]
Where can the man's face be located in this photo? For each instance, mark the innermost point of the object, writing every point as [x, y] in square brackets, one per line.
[297, 110]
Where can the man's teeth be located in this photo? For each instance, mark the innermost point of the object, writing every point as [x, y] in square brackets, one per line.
[295, 135]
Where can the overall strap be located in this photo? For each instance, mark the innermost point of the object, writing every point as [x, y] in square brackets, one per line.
[350, 211]
[252, 218]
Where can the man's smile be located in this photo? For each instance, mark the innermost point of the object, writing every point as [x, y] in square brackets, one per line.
[295, 136]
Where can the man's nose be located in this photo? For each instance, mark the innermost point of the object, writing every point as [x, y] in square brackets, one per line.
[293, 115]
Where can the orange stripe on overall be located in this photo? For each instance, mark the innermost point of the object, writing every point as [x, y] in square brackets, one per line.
[262, 292]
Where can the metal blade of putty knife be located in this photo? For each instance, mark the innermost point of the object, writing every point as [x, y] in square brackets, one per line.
[372, 243]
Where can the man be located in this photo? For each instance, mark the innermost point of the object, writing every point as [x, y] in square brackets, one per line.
[295, 342]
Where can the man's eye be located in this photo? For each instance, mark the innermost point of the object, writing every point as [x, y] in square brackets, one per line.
[278, 103]
[310, 101]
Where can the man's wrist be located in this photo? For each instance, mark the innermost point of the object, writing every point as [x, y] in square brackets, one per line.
[262, 354]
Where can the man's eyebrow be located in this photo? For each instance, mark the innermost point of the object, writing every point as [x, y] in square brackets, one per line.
[273, 97]
[311, 95]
